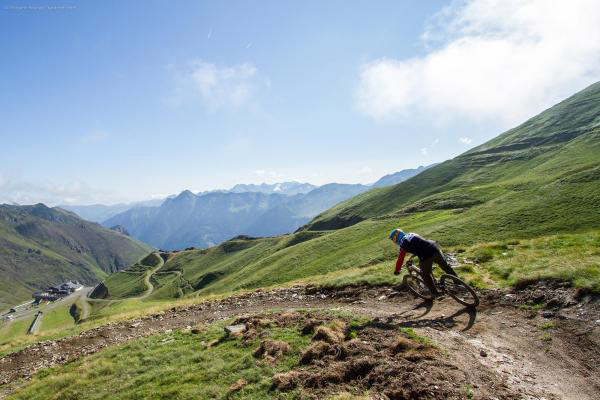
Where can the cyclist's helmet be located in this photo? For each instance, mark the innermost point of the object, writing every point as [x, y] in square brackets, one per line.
[397, 235]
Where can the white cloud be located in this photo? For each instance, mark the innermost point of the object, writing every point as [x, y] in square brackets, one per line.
[218, 87]
[489, 60]
[465, 140]
[15, 190]
[366, 170]
[424, 151]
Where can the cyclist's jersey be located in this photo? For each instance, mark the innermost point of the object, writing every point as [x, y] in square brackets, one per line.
[415, 244]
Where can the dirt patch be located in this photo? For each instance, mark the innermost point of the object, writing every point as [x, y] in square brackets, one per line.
[286, 381]
[272, 350]
[382, 360]
[328, 335]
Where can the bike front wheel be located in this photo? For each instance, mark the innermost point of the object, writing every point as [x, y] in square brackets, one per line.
[459, 290]
[417, 287]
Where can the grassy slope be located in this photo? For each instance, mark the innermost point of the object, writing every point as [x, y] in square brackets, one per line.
[534, 182]
[548, 146]
[129, 282]
[55, 320]
[572, 257]
[539, 179]
[178, 365]
[40, 246]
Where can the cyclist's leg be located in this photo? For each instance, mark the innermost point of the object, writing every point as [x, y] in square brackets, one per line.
[440, 260]
[426, 268]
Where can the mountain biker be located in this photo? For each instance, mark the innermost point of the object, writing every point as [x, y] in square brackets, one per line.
[428, 252]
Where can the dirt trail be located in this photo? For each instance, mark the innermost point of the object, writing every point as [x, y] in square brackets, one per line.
[86, 308]
[537, 354]
[147, 282]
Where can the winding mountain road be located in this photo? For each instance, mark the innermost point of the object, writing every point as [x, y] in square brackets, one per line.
[149, 287]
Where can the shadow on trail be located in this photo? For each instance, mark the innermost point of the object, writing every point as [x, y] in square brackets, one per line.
[427, 305]
[441, 323]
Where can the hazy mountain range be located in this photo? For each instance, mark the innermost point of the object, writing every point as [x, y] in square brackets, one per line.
[100, 212]
[208, 218]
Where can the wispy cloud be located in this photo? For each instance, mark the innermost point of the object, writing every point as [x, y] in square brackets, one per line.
[424, 151]
[489, 60]
[465, 140]
[218, 86]
[15, 190]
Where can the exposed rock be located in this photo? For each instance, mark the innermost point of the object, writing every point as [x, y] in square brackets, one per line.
[548, 314]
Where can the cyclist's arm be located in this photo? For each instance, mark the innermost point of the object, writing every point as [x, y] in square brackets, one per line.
[400, 261]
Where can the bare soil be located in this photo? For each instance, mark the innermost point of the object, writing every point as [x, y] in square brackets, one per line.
[540, 342]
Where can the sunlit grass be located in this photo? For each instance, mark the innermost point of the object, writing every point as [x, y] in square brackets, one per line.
[183, 366]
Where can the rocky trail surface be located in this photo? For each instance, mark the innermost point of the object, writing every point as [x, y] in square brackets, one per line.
[507, 348]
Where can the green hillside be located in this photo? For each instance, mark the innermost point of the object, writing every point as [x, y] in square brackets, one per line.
[554, 156]
[41, 246]
[521, 207]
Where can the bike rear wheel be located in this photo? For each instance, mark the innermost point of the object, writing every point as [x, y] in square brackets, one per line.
[417, 287]
[459, 290]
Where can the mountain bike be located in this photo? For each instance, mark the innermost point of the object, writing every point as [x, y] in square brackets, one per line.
[450, 284]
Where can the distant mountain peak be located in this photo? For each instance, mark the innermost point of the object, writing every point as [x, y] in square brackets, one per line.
[400, 176]
[289, 188]
[186, 193]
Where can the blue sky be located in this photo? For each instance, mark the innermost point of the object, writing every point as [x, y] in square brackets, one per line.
[118, 101]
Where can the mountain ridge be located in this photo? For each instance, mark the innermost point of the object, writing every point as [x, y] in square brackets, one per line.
[42, 246]
[274, 213]
[510, 151]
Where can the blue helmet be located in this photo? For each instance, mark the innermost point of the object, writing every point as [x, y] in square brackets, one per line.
[397, 235]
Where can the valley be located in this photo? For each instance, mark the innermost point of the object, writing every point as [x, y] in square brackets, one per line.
[42, 246]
